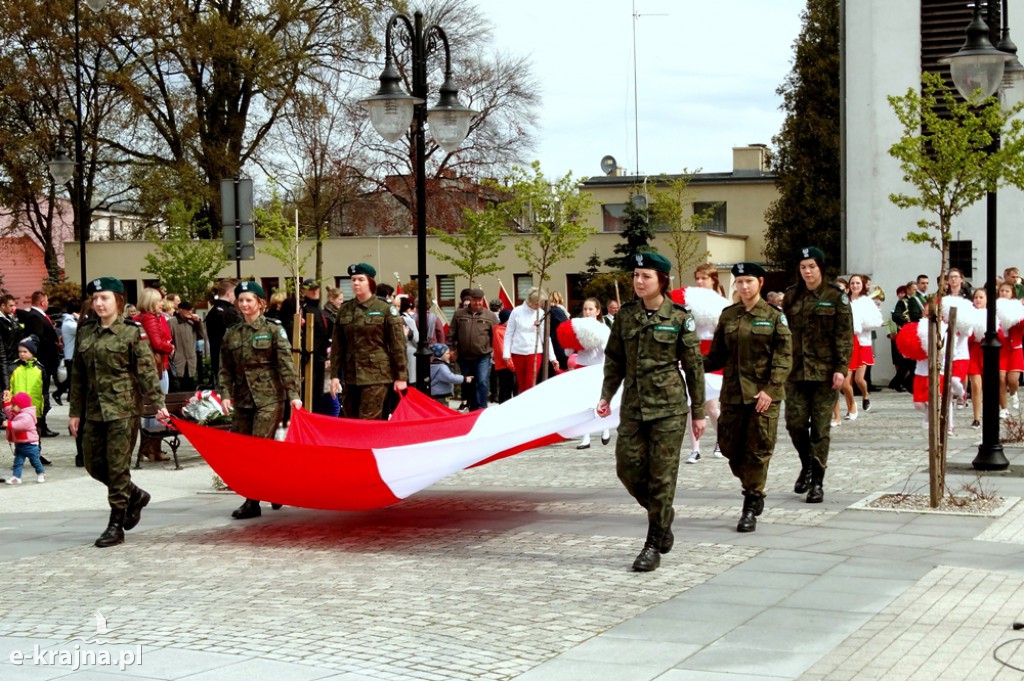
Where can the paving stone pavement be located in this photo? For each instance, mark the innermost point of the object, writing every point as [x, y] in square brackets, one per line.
[519, 570]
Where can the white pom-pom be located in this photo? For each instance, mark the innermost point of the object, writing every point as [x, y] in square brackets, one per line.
[590, 332]
[706, 306]
[866, 315]
[1010, 312]
[966, 320]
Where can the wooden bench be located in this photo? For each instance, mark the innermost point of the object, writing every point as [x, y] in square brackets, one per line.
[174, 402]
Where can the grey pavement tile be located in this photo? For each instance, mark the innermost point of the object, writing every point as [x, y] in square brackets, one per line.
[731, 593]
[701, 613]
[837, 601]
[686, 675]
[27, 672]
[670, 629]
[763, 577]
[879, 567]
[563, 669]
[262, 669]
[743, 659]
[904, 553]
[609, 648]
[178, 663]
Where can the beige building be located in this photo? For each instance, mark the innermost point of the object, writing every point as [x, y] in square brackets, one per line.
[735, 234]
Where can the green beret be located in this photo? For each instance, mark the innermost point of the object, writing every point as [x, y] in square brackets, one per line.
[362, 268]
[812, 252]
[310, 283]
[747, 269]
[249, 287]
[652, 261]
[105, 284]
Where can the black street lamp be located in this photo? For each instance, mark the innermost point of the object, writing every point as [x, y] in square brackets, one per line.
[391, 111]
[61, 167]
[978, 71]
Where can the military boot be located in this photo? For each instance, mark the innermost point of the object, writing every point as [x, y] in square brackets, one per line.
[668, 539]
[649, 557]
[748, 518]
[114, 534]
[816, 494]
[250, 509]
[758, 506]
[137, 501]
[803, 481]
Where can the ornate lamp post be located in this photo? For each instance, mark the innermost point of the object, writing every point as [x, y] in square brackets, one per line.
[978, 73]
[392, 110]
[63, 169]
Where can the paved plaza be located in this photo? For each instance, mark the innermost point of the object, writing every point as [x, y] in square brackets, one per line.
[520, 570]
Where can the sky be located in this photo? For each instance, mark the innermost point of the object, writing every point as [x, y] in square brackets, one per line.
[707, 73]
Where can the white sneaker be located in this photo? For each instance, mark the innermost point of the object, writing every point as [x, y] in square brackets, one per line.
[836, 424]
[694, 456]
[718, 452]
[1004, 414]
[852, 416]
[1015, 402]
[41, 478]
[13, 481]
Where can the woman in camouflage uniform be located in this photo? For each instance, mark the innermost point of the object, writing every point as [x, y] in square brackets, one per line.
[113, 365]
[257, 374]
[651, 336]
[752, 344]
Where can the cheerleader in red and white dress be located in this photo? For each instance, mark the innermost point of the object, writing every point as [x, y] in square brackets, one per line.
[1010, 312]
[974, 369]
[968, 319]
[705, 304]
[866, 318]
[912, 341]
[587, 335]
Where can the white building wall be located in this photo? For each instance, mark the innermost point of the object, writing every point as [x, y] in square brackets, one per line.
[883, 54]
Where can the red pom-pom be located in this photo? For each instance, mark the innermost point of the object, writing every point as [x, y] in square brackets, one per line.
[678, 296]
[908, 342]
[567, 337]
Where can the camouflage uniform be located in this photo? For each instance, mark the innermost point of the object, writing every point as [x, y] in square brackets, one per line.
[644, 353]
[257, 374]
[111, 368]
[754, 350]
[367, 355]
[822, 328]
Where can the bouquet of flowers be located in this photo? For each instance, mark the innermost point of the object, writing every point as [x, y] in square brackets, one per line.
[205, 408]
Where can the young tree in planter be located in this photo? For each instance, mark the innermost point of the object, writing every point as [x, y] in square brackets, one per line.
[182, 262]
[668, 211]
[476, 246]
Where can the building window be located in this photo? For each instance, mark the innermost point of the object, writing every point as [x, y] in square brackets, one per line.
[270, 285]
[345, 284]
[612, 216]
[961, 256]
[150, 283]
[523, 284]
[446, 294]
[717, 223]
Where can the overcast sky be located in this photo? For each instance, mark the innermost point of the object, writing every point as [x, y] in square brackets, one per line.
[707, 74]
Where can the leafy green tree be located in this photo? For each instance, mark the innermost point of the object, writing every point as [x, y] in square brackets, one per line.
[283, 241]
[806, 161]
[672, 197]
[947, 157]
[551, 213]
[637, 233]
[477, 246]
[182, 262]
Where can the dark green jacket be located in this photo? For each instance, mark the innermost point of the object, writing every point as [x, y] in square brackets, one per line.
[644, 355]
[822, 327]
[369, 343]
[111, 369]
[256, 367]
[754, 350]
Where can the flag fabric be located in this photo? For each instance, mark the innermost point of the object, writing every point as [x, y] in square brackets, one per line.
[506, 300]
[363, 465]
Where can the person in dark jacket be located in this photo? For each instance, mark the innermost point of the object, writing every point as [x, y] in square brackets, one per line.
[36, 322]
[219, 319]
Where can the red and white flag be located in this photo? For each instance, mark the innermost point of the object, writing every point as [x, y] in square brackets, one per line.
[506, 300]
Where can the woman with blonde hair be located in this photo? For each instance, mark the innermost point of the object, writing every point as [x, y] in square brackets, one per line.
[152, 320]
[706, 275]
[525, 344]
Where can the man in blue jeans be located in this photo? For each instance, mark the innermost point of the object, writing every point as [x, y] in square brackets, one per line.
[471, 339]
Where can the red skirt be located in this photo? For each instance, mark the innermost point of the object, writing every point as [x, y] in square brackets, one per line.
[960, 369]
[976, 360]
[855, 355]
[867, 356]
[705, 348]
[1010, 358]
[921, 387]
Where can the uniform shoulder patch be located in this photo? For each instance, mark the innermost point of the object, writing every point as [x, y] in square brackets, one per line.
[782, 320]
[690, 325]
[845, 300]
[393, 310]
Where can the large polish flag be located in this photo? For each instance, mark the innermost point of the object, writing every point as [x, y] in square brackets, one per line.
[349, 465]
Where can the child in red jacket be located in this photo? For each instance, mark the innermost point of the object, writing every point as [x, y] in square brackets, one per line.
[21, 430]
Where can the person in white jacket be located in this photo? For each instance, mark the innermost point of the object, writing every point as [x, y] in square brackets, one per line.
[587, 336]
[525, 343]
[866, 318]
